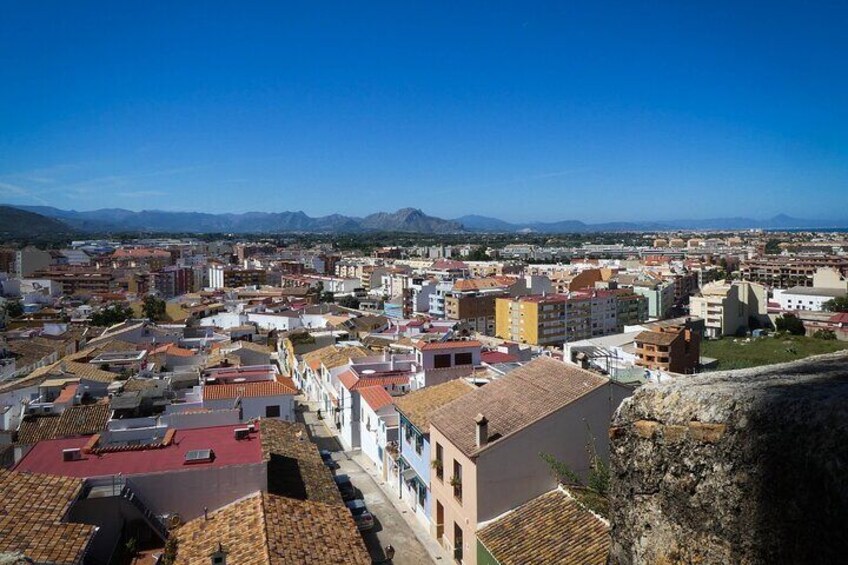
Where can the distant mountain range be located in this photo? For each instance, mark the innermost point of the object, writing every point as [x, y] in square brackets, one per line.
[781, 221]
[16, 223]
[407, 220]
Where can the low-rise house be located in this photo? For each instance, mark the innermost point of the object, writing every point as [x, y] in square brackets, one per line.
[379, 425]
[490, 442]
[260, 399]
[414, 467]
[350, 415]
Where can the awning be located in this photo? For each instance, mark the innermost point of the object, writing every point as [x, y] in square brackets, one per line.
[408, 474]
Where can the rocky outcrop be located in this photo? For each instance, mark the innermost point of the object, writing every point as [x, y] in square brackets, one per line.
[735, 467]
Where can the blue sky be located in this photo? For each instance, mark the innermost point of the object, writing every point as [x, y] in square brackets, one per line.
[524, 111]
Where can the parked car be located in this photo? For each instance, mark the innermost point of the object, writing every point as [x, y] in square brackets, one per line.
[346, 487]
[327, 458]
[363, 518]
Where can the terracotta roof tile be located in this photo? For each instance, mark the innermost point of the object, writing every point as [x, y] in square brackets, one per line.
[247, 390]
[375, 396]
[333, 356]
[657, 337]
[31, 511]
[287, 442]
[265, 529]
[74, 421]
[419, 405]
[552, 528]
[438, 345]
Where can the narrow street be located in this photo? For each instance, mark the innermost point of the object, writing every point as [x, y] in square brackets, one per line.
[391, 528]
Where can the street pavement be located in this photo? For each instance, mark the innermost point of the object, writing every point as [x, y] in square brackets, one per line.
[394, 525]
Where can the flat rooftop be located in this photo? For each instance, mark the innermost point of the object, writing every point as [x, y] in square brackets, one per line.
[47, 458]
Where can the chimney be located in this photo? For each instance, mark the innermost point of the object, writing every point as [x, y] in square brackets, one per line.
[482, 430]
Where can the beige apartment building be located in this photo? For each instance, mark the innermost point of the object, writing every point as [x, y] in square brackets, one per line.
[727, 308]
[486, 445]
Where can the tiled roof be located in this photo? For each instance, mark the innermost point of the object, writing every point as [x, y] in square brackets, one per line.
[465, 285]
[265, 529]
[552, 528]
[514, 401]
[74, 421]
[246, 390]
[31, 509]
[439, 345]
[333, 356]
[494, 357]
[257, 347]
[657, 338]
[417, 406]
[375, 396]
[348, 379]
[382, 380]
[284, 442]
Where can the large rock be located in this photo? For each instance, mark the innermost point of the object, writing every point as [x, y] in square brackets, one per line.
[735, 467]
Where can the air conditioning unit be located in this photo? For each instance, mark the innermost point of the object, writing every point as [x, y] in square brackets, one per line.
[72, 454]
[241, 433]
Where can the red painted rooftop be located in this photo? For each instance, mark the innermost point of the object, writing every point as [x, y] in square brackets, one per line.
[46, 456]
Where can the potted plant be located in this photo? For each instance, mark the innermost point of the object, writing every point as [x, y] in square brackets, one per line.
[455, 481]
[437, 464]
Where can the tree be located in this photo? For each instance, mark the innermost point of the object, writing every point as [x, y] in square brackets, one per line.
[773, 247]
[154, 308]
[111, 315]
[14, 308]
[838, 304]
[326, 296]
[479, 254]
[348, 302]
[790, 324]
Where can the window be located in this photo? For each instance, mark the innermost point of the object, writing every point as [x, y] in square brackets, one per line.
[272, 411]
[440, 471]
[422, 495]
[419, 444]
[442, 361]
[456, 480]
[462, 359]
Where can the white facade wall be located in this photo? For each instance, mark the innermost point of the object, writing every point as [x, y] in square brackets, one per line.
[255, 407]
[274, 322]
[224, 320]
[791, 301]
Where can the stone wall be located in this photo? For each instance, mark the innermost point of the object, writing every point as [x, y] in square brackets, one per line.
[735, 467]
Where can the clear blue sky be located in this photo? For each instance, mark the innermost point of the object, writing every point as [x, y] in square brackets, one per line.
[593, 111]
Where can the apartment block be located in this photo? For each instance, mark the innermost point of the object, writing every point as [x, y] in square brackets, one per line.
[551, 320]
[729, 308]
